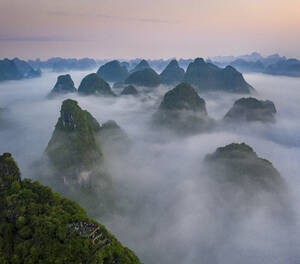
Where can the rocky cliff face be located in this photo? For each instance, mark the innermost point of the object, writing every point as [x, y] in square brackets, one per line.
[208, 77]
[113, 71]
[38, 225]
[93, 84]
[250, 109]
[172, 74]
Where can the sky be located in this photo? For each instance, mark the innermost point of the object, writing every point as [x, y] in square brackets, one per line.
[107, 29]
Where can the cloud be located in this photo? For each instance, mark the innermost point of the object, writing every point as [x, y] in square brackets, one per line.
[167, 213]
[40, 38]
[120, 18]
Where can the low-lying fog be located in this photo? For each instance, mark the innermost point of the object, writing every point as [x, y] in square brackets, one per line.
[167, 216]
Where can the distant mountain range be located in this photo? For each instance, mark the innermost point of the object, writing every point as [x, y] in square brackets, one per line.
[254, 62]
[58, 64]
[273, 64]
[17, 69]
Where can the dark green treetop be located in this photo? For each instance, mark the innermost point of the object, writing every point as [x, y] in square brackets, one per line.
[40, 226]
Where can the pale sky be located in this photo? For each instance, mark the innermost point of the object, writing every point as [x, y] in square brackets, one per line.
[148, 28]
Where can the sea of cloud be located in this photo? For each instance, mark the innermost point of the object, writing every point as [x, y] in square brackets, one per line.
[166, 212]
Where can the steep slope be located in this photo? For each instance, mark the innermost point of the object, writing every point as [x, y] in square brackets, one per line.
[94, 84]
[40, 226]
[73, 148]
[250, 109]
[208, 77]
[172, 74]
[113, 71]
[146, 78]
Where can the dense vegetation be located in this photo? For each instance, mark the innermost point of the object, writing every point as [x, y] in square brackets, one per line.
[40, 226]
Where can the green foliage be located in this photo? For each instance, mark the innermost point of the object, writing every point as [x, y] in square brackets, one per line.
[35, 226]
[9, 170]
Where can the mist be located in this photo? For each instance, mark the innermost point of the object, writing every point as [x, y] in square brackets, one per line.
[168, 210]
